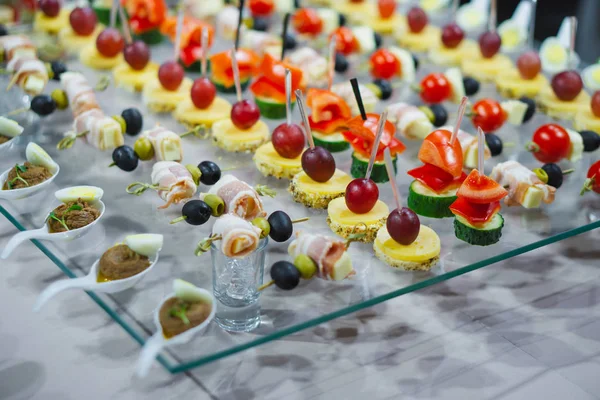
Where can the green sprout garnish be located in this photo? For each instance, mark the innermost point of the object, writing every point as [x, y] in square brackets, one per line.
[53, 216]
[179, 312]
[264, 190]
[74, 207]
[18, 168]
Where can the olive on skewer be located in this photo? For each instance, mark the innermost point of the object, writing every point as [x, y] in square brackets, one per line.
[551, 174]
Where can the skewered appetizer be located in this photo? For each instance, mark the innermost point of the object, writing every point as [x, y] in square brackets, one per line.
[385, 19]
[145, 19]
[222, 70]
[589, 118]
[514, 31]
[452, 47]
[166, 144]
[437, 87]
[525, 188]
[203, 107]
[28, 72]
[9, 130]
[393, 63]
[51, 17]
[260, 42]
[555, 51]
[470, 147]
[551, 143]
[436, 183]
[16, 45]
[524, 80]
[592, 183]
[476, 210]
[311, 63]
[190, 45]
[489, 62]
[417, 34]
[173, 182]
[310, 23]
[473, 16]
[38, 168]
[356, 40]
[345, 91]
[170, 87]
[243, 131]
[239, 237]
[491, 115]
[564, 97]
[238, 197]
[106, 53]
[330, 113]
[329, 255]
[137, 69]
[416, 122]
[82, 30]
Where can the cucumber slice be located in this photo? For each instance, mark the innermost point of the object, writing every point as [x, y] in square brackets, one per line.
[428, 203]
[270, 109]
[334, 142]
[103, 14]
[486, 235]
[358, 169]
[150, 37]
[221, 88]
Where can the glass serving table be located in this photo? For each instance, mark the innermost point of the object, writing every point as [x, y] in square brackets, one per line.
[283, 313]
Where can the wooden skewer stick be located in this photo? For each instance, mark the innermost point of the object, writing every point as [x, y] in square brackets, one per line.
[378, 134]
[204, 45]
[113, 13]
[389, 166]
[571, 61]
[480, 151]
[531, 38]
[300, 102]
[178, 29]
[493, 16]
[239, 25]
[236, 75]
[461, 112]
[331, 66]
[125, 24]
[288, 96]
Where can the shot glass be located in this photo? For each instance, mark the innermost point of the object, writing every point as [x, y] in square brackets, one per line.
[235, 286]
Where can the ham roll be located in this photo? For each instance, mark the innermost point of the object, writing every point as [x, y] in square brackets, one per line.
[313, 65]
[175, 182]
[329, 254]
[239, 237]
[240, 198]
[15, 45]
[167, 145]
[79, 92]
[410, 121]
[524, 186]
[29, 73]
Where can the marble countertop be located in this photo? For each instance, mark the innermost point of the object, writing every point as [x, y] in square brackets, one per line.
[526, 328]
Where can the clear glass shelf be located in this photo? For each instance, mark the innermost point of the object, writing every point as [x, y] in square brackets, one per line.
[283, 313]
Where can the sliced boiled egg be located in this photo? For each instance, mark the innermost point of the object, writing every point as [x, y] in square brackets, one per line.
[512, 34]
[38, 156]
[470, 18]
[455, 78]
[85, 193]
[10, 128]
[555, 56]
[190, 293]
[147, 244]
[591, 77]
[433, 5]
[406, 61]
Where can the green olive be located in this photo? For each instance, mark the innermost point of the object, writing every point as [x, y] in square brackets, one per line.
[195, 171]
[216, 204]
[121, 122]
[60, 98]
[543, 175]
[143, 148]
[306, 266]
[264, 226]
[49, 70]
[427, 111]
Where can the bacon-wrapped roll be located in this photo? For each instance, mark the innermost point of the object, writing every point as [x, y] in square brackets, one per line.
[240, 198]
[261, 42]
[14, 45]
[239, 237]
[469, 144]
[329, 254]
[175, 179]
[410, 121]
[167, 145]
[313, 65]
[30, 74]
[79, 92]
[104, 133]
[524, 186]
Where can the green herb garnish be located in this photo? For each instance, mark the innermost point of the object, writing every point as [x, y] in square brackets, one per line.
[21, 168]
[53, 216]
[18, 168]
[74, 207]
[179, 312]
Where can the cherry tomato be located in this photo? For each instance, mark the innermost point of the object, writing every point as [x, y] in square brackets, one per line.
[550, 143]
[489, 115]
[435, 88]
[261, 8]
[345, 41]
[593, 179]
[386, 8]
[307, 21]
[384, 65]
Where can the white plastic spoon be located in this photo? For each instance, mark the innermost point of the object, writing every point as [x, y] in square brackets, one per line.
[157, 342]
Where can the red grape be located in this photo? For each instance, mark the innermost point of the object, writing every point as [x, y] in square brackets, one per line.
[361, 195]
[83, 20]
[170, 75]
[567, 85]
[417, 19]
[529, 65]
[596, 104]
[489, 44]
[110, 42]
[403, 225]
[288, 140]
[137, 54]
[452, 35]
[435, 88]
[244, 114]
[318, 163]
[386, 8]
[203, 93]
[50, 8]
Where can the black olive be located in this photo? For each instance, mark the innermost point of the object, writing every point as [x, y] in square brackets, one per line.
[494, 143]
[285, 275]
[57, 69]
[440, 115]
[196, 212]
[471, 85]
[260, 24]
[133, 121]
[555, 174]
[43, 105]
[290, 41]
[378, 40]
[591, 140]
[281, 226]
[342, 19]
[210, 172]
[3, 31]
[125, 158]
[385, 88]
[341, 63]
[416, 61]
[530, 108]
[297, 4]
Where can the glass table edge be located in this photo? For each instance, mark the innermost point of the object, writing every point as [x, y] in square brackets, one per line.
[183, 367]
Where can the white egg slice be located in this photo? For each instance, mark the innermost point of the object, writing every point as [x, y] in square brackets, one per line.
[38, 156]
[455, 78]
[470, 18]
[147, 244]
[591, 77]
[555, 56]
[407, 63]
[10, 128]
[512, 34]
[85, 193]
[188, 292]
